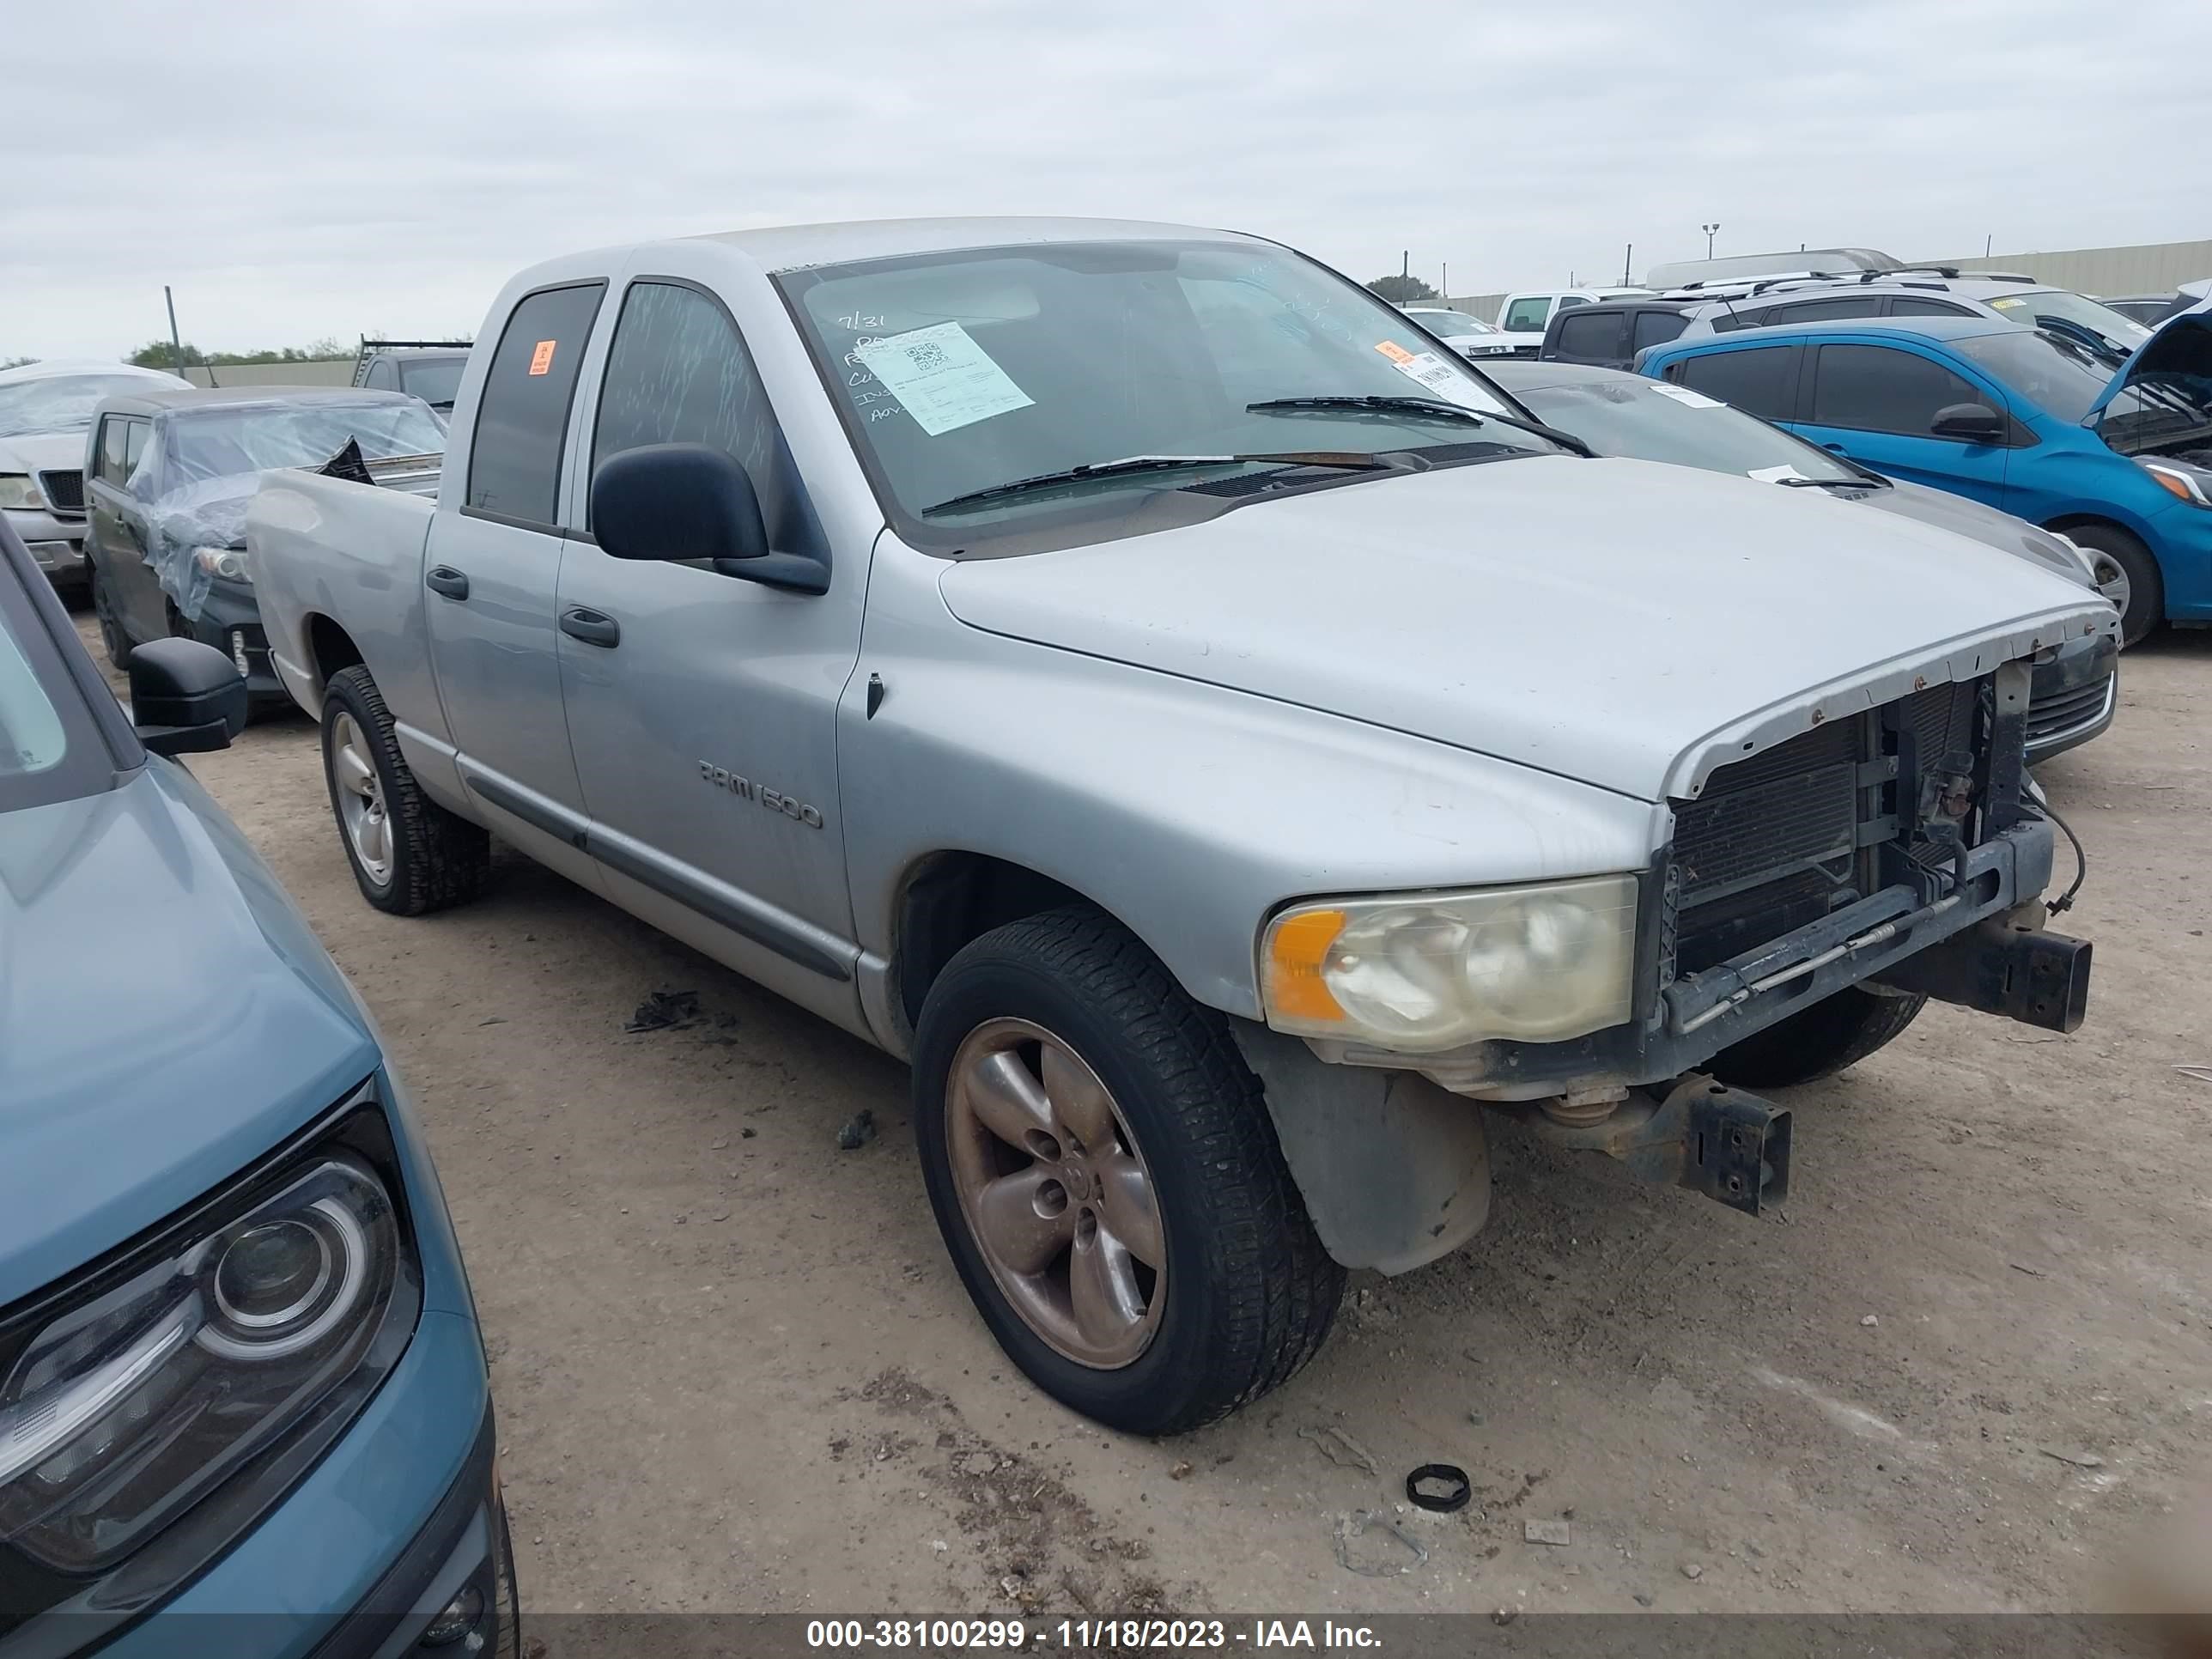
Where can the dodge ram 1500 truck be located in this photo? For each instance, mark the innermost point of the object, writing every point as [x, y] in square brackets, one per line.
[1230, 748]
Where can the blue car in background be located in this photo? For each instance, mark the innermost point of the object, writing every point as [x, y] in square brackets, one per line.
[2114, 453]
[240, 1374]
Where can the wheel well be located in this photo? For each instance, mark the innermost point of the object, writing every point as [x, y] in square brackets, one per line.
[333, 647]
[2085, 521]
[953, 898]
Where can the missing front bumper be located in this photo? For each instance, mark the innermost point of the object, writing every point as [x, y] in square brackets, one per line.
[1730, 1145]
[2004, 965]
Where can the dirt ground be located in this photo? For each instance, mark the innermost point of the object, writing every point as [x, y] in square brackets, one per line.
[735, 1371]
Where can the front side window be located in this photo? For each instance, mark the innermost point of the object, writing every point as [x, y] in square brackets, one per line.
[968, 372]
[1868, 388]
[679, 373]
[2066, 379]
[1528, 315]
[2106, 327]
[1815, 311]
[50, 747]
[1762, 380]
[114, 443]
[522, 416]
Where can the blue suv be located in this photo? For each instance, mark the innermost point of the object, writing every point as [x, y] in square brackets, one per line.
[240, 1376]
[2046, 423]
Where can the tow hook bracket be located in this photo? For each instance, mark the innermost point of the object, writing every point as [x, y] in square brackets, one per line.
[1730, 1146]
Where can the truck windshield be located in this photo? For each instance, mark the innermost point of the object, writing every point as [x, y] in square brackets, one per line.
[61, 403]
[218, 443]
[957, 373]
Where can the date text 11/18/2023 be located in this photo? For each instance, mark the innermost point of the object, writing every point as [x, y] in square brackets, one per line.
[1078, 1635]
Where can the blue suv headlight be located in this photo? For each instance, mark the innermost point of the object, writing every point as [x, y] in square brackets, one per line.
[152, 1406]
[2192, 484]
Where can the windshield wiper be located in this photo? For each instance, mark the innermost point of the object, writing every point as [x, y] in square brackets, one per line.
[1344, 403]
[1867, 482]
[1346, 459]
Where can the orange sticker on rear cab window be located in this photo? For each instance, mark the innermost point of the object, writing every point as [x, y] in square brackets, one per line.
[1390, 348]
[541, 360]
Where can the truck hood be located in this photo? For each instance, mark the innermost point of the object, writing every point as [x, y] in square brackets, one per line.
[165, 1019]
[2178, 356]
[43, 451]
[1986, 525]
[1620, 623]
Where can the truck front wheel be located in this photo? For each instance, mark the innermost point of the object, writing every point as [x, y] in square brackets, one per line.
[1106, 1180]
[1817, 1041]
[409, 855]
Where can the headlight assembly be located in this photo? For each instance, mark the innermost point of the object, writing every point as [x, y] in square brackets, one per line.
[16, 490]
[228, 562]
[2179, 478]
[261, 1323]
[1419, 974]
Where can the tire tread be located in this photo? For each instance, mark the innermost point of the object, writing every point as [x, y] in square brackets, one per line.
[438, 860]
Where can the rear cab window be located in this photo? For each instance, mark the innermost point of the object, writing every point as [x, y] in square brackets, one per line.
[1527, 314]
[522, 416]
[1762, 380]
[1600, 336]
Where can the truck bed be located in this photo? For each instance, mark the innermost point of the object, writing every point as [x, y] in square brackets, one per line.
[325, 549]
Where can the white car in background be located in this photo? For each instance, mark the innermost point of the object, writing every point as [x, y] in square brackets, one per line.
[45, 410]
[1466, 334]
[1522, 318]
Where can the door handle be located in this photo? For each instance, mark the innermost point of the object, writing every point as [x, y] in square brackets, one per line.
[1837, 449]
[592, 627]
[443, 579]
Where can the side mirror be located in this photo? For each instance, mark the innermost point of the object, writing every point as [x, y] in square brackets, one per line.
[186, 698]
[1973, 423]
[683, 501]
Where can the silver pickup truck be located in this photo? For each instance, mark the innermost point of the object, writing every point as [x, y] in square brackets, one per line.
[1225, 742]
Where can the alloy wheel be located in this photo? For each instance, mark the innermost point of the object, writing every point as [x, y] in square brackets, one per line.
[1056, 1193]
[360, 800]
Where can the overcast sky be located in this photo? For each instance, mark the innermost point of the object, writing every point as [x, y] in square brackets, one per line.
[299, 170]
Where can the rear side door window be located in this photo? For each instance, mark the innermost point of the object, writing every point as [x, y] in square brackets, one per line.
[677, 372]
[1868, 388]
[1815, 311]
[1657, 327]
[1760, 380]
[522, 416]
[1597, 336]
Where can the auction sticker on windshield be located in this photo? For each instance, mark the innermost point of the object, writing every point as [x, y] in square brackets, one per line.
[1434, 373]
[942, 378]
[1682, 394]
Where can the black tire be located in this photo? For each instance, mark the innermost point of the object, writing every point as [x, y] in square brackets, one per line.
[2146, 587]
[1251, 1293]
[438, 860]
[1817, 1041]
[113, 640]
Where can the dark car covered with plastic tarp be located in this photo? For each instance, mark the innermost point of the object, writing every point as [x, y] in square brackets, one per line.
[167, 475]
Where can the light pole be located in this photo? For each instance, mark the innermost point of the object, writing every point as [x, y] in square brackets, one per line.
[1709, 230]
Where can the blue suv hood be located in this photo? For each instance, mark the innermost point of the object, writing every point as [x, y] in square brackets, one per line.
[165, 1019]
[2181, 348]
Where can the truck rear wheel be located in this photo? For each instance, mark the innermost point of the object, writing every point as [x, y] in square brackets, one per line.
[1106, 1180]
[409, 855]
[1817, 1041]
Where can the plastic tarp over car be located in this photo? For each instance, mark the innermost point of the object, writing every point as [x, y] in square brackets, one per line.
[196, 478]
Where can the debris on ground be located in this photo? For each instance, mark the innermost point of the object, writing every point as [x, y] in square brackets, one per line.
[664, 1010]
[1642, 1598]
[1440, 1488]
[1870, 1322]
[747, 1134]
[1341, 1450]
[1545, 1532]
[2079, 1460]
[1692, 1570]
[860, 1129]
[1180, 1471]
[1381, 1561]
[1504, 1615]
[2197, 1073]
[2022, 1267]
